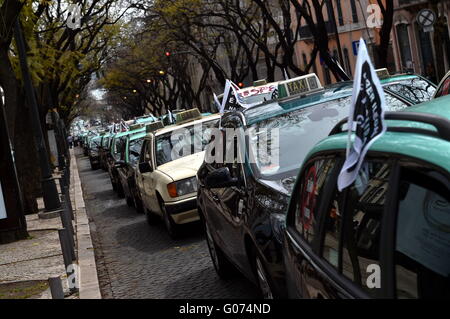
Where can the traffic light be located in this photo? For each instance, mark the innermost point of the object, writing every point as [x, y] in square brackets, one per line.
[240, 84]
[167, 53]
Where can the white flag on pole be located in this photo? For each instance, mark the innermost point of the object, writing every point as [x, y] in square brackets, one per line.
[366, 117]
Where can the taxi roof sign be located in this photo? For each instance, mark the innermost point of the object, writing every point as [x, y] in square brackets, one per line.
[382, 73]
[260, 82]
[300, 85]
[136, 126]
[187, 116]
[154, 126]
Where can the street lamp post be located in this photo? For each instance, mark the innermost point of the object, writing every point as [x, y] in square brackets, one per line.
[50, 193]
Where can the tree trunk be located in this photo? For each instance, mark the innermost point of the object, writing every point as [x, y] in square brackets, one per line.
[14, 226]
[9, 84]
[26, 157]
[385, 35]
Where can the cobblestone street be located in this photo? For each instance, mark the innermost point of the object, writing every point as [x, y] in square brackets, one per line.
[136, 260]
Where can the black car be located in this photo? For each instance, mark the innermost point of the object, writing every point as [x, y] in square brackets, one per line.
[243, 201]
[93, 152]
[104, 150]
[113, 161]
[132, 144]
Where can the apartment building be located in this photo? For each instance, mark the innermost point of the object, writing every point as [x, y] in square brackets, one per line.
[346, 21]
[416, 50]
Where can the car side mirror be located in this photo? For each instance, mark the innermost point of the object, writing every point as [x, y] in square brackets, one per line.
[145, 167]
[119, 164]
[219, 178]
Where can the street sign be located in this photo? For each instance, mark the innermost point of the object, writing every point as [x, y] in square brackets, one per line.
[355, 47]
[426, 19]
[2, 204]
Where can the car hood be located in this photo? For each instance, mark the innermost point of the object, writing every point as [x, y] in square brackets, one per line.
[184, 167]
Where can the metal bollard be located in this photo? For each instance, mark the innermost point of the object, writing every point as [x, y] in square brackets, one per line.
[68, 202]
[62, 183]
[65, 247]
[56, 287]
[67, 224]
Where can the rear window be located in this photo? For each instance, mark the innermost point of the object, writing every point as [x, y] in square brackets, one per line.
[416, 90]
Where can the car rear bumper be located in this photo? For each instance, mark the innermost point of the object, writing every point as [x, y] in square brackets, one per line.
[183, 211]
[94, 159]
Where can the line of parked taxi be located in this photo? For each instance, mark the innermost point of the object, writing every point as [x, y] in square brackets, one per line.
[279, 218]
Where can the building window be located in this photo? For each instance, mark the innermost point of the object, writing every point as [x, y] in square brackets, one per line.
[305, 62]
[403, 43]
[339, 10]
[354, 13]
[348, 67]
[335, 55]
[314, 64]
[326, 74]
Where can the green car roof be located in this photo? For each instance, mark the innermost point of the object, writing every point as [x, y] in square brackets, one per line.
[332, 92]
[425, 147]
[137, 135]
[400, 77]
[271, 109]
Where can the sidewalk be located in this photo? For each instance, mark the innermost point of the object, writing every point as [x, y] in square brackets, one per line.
[26, 265]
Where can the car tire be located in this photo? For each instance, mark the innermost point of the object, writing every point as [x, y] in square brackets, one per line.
[151, 218]
[130, 202]
[114, 186]
[172, 228]
[262, 278]
[138, 204]
[120, 192]
[222, 265]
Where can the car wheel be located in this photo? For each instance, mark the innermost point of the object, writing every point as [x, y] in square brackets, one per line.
[172, 228]
[114, 186]
[120, 192]
[138, 204]
[221, 264]
[151, 218]
[130, 202]
[263, 281]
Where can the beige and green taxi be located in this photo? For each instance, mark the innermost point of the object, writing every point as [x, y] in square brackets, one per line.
[166, 177]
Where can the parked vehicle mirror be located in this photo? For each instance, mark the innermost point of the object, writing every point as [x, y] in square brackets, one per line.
[145, 167]
[219, 178]
[119, 164]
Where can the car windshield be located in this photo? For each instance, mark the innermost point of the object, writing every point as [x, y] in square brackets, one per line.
[95, 144]
[416, 90]
[119, 148]
[105, 141]
[290, 136]
[180, 143]
[135, 151]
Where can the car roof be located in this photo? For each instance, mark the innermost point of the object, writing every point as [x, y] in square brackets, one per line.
[430, 148]
[282, 106]
[138, 134]
[399, 77]
[331, 92]
[174, 127]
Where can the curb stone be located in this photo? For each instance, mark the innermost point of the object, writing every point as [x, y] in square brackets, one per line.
[89, 285]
